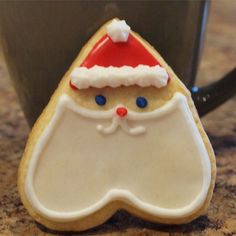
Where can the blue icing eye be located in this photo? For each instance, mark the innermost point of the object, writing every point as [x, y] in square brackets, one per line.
[100, 100]
[141, 102]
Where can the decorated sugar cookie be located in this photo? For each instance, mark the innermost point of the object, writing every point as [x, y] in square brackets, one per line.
[120, 132]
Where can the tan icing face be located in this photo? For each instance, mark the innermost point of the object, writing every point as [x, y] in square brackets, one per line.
[126, 96]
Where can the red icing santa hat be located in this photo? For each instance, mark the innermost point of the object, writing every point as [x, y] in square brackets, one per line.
[117, 59]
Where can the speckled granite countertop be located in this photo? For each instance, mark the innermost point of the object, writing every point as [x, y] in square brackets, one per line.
[218, 58]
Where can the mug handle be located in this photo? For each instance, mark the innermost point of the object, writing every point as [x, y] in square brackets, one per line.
[211, 96]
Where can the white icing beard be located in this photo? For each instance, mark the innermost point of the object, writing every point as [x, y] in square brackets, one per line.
[154, 161]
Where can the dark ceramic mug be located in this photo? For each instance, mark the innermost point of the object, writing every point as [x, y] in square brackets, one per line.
[41, 38]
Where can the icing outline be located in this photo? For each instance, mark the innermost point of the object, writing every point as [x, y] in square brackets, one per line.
[65, 102]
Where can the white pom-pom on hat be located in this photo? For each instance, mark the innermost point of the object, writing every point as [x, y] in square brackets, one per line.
[118, 31]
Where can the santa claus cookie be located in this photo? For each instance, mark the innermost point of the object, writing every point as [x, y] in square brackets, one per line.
[120, 132]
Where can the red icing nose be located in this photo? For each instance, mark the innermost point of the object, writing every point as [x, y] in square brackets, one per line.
[121, 111]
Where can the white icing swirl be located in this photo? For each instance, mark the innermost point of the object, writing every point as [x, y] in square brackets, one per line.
[122, 122]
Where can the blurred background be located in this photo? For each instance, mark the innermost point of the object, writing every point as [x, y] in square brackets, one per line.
[218, 57]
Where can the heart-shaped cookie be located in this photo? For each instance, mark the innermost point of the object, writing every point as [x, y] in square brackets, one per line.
[120, 132]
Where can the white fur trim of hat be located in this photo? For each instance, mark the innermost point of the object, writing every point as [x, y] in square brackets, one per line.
[99, 77]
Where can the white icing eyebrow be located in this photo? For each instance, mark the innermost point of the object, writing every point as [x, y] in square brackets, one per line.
[99, 77]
